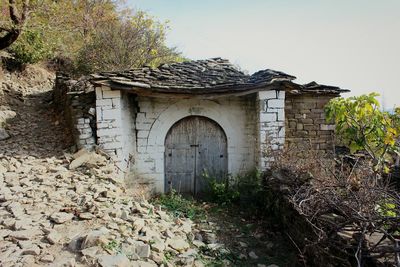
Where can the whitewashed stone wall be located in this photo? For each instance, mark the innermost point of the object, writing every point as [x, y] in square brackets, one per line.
[133, 129]
[156, 116]
[109, 123]
[271, 125]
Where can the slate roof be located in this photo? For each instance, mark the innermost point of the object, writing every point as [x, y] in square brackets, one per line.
[203, 77]
[314, 87]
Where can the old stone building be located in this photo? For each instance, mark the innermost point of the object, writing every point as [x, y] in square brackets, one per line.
[170, 125]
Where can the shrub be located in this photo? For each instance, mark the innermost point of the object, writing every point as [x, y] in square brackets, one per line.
[363, 126]
[248, 190]
[222, 192]
[180, 206]
[30, 48]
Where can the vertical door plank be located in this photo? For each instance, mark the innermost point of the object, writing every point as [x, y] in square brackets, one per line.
[194, 145]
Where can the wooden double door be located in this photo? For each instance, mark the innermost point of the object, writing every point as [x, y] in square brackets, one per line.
[194, 146]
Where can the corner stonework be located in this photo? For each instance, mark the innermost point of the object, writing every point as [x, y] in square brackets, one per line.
[109, 122]
[271, 125]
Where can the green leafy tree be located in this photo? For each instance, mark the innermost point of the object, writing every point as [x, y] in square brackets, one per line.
[31, 48]
[128, 43]
[362, 125]
[94, 35]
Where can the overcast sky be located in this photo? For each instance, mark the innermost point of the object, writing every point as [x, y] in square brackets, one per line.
[353, 44]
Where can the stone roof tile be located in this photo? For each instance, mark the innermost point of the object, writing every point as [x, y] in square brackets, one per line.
[210, 76]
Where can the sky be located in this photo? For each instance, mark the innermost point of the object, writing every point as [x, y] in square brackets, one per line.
[354, 44]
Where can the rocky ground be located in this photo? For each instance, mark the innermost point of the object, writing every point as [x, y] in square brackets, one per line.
[64, 209]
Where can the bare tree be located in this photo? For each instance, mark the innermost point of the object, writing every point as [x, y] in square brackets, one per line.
[9, 34]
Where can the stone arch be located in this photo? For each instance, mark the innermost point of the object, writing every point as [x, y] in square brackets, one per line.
[193, 145]
[191, 107]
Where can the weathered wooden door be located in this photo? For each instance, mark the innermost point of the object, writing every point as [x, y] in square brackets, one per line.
[194, 146]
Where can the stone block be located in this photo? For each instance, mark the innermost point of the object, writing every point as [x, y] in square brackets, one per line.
[143, 125]
[305, 111]
[85, 135]
[306, 121]
[310, 127]
[307, 105]
[105, 139]
[112, 145]
[273, 124]
[99, 93]
[267, 94]
[281, 94]
[292, 124]
[141, 149]
[103, 102]
[281, 114]
[109, 132]
[317, 110]
[90, 141]
[113, 114]
[81, 142]
[327, 127]
[116, 102]
[142, 134]
[141, 142]
[325, 132]
[282, 132]
[275, 103]
[289, 115]
[99, 113]
[300, 116]
[112, 94]
[87, 131]
[267, 117]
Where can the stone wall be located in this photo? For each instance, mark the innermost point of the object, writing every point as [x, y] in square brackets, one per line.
[235, 115]
[109, 123]
[271, 125]
[76, 100]
[306, 126]
[132, 129]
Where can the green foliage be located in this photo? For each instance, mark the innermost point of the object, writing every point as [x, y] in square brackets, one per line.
[224, 192]
[113, 245]
[93, 35]
[180, 206]
[247, 190]
[133, 42]
[30, 48]
[363, 126]
[388, 209]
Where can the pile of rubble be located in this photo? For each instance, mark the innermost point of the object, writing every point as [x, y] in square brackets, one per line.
[14, 86]
[73, 212]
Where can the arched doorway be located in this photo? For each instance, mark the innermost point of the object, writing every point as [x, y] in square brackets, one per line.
[194, 145]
